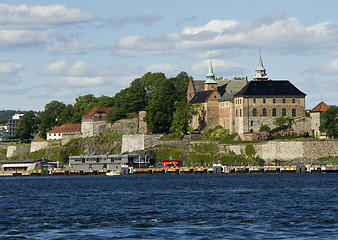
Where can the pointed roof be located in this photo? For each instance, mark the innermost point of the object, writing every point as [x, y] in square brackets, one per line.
[260, 73]
[210, 75]
[321, 107]
[260, 64]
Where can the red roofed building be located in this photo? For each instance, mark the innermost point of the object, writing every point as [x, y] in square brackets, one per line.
[96, 114]
[56, 133]
[94, 121]
[315, 116]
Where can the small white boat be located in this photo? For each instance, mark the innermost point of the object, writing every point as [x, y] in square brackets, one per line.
[113, 173]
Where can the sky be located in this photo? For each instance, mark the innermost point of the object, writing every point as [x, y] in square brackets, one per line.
[60, 50]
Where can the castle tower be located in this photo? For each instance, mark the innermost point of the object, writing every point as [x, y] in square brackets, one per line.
[260, 74]
[210, 83]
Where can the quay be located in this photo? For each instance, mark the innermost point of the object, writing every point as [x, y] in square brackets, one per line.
[216, 169]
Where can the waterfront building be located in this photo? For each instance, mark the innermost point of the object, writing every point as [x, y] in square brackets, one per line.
[107, 161]
[25, 164]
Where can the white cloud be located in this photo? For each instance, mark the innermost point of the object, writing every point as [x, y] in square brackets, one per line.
[81, 74]
[22, 16]
[40, 27]
[329, 68]
[167, 68]
[10, 67]
[67, 82]
[216, 26]
[278, 34]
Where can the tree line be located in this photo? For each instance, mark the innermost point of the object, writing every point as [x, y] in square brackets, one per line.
[164, 100]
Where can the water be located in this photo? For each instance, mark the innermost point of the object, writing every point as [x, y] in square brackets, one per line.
[267, 206]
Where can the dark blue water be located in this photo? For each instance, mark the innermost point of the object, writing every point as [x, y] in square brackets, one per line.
[276, 206]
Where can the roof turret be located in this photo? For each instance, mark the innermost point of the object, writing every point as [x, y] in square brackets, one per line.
[210, 75]
[260, 74]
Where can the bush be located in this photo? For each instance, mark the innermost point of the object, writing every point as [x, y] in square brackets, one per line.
[261, 136]
[264, 128]
[217, 133]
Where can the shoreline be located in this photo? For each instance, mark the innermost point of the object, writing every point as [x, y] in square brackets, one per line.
[216, 169]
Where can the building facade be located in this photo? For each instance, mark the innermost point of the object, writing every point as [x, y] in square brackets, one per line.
[58, 132]
[259, 103]
[205, 95]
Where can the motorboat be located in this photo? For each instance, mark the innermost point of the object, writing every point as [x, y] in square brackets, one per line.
[113, 173]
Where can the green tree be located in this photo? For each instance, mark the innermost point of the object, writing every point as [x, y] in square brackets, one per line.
[26, 127]
[116, 114]
[283, 122]
[82, 105]
[329, 121]
[51, 117]
[182, 117]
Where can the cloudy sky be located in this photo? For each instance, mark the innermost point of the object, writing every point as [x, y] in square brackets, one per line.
[59, 50]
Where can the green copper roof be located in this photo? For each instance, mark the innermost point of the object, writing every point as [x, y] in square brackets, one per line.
[210, 75]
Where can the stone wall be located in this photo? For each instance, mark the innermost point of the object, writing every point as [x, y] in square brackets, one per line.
[124, 126]
[281, 150]
[14, 150]
[35, 146]
[68, 137]
[317, 149]
[142, 128]
[139, 142]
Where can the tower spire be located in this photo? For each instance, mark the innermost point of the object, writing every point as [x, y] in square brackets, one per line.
[210, 75]
[260, 74]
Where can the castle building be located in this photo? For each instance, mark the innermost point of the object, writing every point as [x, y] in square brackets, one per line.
[241, 106]
[205, 96]
[259, 103]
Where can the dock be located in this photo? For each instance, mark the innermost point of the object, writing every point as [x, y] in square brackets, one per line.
[218, 169]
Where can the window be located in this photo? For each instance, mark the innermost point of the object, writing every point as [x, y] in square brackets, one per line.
[264, 112]
[283, 112]
[254, 100]
[274, 112]
[254, 112]
[251, 123]
[293, 100]
[283, 100]
[264, 100]
[236, 112]
[274, 100]
[293, 112]
[240, 112]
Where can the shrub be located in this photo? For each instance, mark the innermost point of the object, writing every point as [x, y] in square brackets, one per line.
[264, 128]
[261, 136]
[217, 133]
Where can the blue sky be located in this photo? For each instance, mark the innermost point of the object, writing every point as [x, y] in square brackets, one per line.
[59, 50]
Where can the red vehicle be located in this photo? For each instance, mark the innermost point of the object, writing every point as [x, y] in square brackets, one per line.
[172, 163]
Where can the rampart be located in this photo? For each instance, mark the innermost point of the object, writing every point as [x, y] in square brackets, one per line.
[35, 146]
[14, 150]
[272, 150]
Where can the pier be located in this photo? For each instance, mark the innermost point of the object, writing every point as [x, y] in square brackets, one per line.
[216, 169]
